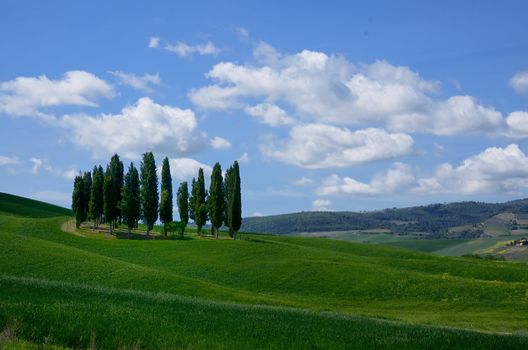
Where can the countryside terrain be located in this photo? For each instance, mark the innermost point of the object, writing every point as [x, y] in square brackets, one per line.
[454, 229]
[62, 287]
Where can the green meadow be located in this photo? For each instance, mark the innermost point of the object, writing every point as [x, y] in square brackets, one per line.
[88, 290]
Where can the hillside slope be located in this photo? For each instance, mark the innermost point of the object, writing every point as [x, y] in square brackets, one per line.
[22, 206]
[435, 219]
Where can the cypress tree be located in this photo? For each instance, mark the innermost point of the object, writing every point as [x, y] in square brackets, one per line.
[166, 207]
[130, 198]
[117, 171]
[86, 193]
[77, 199]
[198, 201]
[149, 190]
[96, 195]
[109, 199]
[216, 200]
[192, 199]
[235, 205]
[183, 203]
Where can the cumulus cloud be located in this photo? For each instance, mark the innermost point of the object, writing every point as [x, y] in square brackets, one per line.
[316, 146]
[183, 49]
[220, 143]
[496, 170]
[171, 131]
[269, 114]
[4, 160]
[187, 168]
[321, 205]
[519, 82]
[143, 83]
[397, 179]
[30, 96]
[328, 88]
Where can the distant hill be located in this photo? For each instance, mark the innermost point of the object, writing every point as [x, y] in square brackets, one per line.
[20, 206]
[435, 219]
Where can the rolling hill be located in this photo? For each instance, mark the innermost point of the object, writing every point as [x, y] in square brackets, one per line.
[262, 291]
[434, 220]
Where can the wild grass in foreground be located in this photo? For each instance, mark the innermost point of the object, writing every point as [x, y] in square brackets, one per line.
[78, 316]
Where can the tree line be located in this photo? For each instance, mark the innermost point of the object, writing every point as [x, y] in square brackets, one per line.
[116, 198]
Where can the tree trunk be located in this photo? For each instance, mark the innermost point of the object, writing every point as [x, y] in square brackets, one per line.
[234, 235]
[216, 232]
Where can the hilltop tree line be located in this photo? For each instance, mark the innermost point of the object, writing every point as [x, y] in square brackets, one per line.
[116, 198]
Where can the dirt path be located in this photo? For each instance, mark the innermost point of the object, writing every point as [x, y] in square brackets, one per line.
[69, 227]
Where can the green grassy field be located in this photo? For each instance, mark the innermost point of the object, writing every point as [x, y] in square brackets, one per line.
[59, 289]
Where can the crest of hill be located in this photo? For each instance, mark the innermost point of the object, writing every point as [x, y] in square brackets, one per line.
[25, 207]
[435, 218]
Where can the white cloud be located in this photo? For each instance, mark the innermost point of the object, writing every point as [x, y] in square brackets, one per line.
[37, 163]
[141, 127]
[257, 214]
[70, 174]
[398, 178]
[519, 82]
[143, 83]
[518, 124]
[242, 32]
[316, 146]
[4, 160]
[220, 143]
[28, 96]
[153, 42]
[327, 88]
[495, 170]
[321, 205]
[303, 181]
[184, 50]
[269, 114]
[244, 158]
[187, 168]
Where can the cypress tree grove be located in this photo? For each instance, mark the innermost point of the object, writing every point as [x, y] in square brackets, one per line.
[233, 200]
[198, 201]
[149, 190]
[166, 207]
[109, 199]
[77, 205]
[183, 203]
[130, 198]
[216, 200]
[96, 195]
[117, 171]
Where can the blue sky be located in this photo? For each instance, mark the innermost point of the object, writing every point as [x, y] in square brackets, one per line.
[342, 106]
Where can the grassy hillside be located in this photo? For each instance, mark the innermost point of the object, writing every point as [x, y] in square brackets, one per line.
[20, 206]
[259, 292]
[434, 220]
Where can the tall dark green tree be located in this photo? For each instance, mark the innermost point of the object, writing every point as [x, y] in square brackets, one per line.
[117, 170]
[166, 206]
[130, 199]
[216, 199]
[87, 188]
[77, 199]
[233, 216]
[110, 199]
[197, 202]
[183, 203]
[96, 203]
[149, 191]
